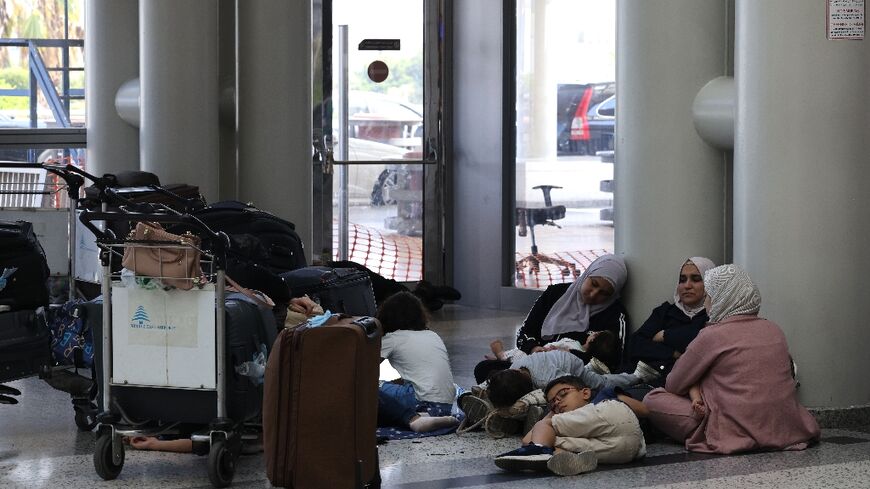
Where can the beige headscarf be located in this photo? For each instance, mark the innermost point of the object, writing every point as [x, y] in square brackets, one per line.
[703, 264]
[731, 293]
[569, 313]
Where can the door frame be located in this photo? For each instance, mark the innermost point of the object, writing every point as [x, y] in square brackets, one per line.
[435, 256]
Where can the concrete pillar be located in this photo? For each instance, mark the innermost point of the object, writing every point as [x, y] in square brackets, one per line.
[111, 58]
[274, 109]
[800, 189]
[670, 186]
[542, 94]
[476, 158]
[179, 90]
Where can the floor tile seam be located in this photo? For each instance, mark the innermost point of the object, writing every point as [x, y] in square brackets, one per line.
[713, 460]
[777, 473]
[635, 467]
[147, 480]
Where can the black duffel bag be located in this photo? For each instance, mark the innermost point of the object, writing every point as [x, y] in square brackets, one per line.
[277, 237]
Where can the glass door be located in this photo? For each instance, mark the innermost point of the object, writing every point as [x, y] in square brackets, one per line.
[375, 143]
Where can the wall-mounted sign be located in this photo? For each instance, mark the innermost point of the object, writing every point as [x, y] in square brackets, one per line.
[378, 71]
[845, 19]
[380, 45]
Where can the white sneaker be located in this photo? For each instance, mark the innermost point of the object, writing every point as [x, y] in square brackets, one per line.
[570, 463]
[598, 366]
[646, 372]
[533, 415]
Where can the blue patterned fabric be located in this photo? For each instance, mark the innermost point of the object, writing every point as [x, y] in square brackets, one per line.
[433, 409]
[392, 433]
[72, 343]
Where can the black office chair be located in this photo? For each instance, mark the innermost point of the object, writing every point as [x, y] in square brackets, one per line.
[528, 218]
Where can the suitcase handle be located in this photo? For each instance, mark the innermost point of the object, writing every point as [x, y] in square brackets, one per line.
[369, 325]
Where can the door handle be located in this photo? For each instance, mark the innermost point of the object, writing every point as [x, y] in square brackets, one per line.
[432, 150]
[323, 153]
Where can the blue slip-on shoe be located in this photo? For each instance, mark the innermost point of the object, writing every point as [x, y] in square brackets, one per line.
[527, 457]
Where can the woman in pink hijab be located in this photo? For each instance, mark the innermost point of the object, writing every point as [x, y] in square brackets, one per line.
[738, 371]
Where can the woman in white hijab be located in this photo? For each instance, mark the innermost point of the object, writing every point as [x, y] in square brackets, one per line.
[670, 328]
[590, 303]
[740, 366]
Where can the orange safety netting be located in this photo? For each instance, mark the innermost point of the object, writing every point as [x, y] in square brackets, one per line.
[542, 270]
[392, 255]
[401, 258]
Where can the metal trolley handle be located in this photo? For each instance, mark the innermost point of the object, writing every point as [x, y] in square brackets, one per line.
[220, 240]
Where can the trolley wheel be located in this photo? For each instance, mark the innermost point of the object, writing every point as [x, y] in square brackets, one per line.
[385, 184]
[107, 467]
[221, 464]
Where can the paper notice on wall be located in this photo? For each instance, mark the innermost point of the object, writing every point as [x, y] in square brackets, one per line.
[845, 19]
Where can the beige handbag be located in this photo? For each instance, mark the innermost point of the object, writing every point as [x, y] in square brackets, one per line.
[176, 265]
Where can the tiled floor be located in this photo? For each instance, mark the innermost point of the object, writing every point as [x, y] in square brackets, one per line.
[40, 446]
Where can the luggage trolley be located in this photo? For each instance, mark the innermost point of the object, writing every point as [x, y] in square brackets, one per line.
[86, 406]
[73, 180]
[164, 354]
[67, 377]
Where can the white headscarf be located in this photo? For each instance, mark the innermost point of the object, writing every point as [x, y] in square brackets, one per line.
[731, 292]
[703, 264]
[569, 313]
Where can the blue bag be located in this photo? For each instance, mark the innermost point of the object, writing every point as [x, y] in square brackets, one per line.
[72, 341]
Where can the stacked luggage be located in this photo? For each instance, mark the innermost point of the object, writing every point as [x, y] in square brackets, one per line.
[260, 251]
[24, 336]
[180, 351]
[262, 247]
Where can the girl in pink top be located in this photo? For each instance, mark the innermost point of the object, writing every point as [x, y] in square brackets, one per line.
[740, 367]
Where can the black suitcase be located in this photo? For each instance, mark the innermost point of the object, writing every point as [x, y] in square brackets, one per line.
[250, 329]
[24, 345]
[23, 268]
[339, 290]
[247, 264]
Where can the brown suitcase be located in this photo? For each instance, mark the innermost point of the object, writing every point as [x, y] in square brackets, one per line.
[320, 404]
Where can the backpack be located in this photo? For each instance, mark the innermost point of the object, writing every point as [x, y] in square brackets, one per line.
[72, 341]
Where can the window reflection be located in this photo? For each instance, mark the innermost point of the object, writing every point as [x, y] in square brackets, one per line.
[566, 118]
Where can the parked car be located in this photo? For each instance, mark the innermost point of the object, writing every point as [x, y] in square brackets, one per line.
[377, 117]
[586, 116]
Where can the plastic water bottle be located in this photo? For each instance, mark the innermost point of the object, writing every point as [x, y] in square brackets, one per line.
[254, 369]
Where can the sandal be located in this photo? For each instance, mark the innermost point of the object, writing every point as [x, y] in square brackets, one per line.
[476, 410]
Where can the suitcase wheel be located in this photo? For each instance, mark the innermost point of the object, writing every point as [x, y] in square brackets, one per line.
[86, 416]
[107, 463]
[221, 464]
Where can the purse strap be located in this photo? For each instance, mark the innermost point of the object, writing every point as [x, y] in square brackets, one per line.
[261, 299]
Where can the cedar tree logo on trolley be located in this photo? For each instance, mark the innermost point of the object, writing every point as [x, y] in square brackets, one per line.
[140, 320]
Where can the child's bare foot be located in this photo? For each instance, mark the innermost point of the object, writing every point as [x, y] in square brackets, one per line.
[426, 423]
